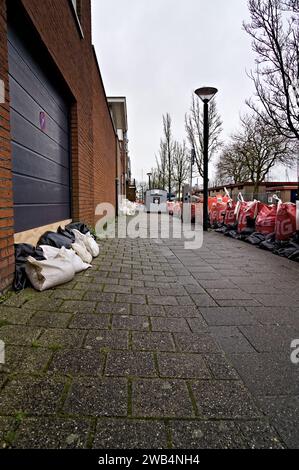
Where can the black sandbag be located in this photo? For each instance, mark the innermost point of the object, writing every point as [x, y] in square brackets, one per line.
[232, 227]
[287, 249]
[55, 239]
[270, 237]
[285, 252]
[222, 229]
[295, 238]
[294, 256]
[67, 233]
[232, 234]
[217, 225]
[255, 238]
[269, 244]
[78, 226]
[246, 232]
[22, 252]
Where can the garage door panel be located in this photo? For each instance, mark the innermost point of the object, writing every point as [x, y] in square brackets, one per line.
[22, 72]
[18, 49]
[23, 104]
[32, 164]
[40, 150]
[26, 216]
[26, 135]
[29, 190]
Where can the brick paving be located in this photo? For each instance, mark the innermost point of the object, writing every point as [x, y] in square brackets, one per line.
[156, 347]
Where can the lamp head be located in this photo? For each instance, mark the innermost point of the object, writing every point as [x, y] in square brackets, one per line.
[206, 93]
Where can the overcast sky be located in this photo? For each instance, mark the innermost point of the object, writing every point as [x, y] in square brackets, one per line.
[156, 53]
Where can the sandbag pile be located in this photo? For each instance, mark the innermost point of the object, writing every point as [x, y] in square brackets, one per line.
[127, 207]
[270, 227]
[56, 259]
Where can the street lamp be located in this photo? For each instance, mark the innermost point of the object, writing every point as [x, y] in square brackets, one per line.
[192, 162]
[206, 94]
[149, 180]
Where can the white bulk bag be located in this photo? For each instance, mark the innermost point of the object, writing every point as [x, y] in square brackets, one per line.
[49, 273]
[81, 250]
[87, 240]
[78, 264]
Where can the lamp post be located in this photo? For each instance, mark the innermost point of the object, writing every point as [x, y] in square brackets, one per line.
[149, 180]
[206, 94]
[192, 162]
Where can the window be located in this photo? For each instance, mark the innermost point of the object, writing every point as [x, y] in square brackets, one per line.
[77, 11]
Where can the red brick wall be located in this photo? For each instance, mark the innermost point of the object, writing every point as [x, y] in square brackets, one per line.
[93, 147]
[6, 204]
[104, 141]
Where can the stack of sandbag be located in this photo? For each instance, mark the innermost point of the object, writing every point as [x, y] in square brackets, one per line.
[270, 227]
[57, 258]
[127, 207]
[60, 267]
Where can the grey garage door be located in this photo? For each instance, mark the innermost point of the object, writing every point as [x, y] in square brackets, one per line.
[40, 137]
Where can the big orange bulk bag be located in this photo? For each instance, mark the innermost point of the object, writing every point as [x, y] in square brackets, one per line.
[246, 209]
[285, 225]
[266, 219]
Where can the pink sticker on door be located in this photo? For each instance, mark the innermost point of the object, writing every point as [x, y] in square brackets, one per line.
[42, 120]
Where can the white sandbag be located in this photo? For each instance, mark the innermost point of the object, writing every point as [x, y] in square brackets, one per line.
[49, 273]
[51, 252]
[127, 207]
[88, 241]
[78, 264]
[92, 245]
[81, 250]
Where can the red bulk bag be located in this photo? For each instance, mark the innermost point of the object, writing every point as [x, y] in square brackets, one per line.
[230, 215]
[213, 213]
[266, 219]
[217, 212]
[211, 203]
[247, 209]
[285, 225]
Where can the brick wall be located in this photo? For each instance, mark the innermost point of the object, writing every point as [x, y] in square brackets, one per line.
[104, 141]
[93, 146]
[6, 204]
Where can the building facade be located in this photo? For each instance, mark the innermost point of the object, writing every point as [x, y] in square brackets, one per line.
[286, 191]
[118, 110]
[58, 143]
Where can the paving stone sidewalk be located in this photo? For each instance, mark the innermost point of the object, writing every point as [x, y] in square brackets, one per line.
[156, 347]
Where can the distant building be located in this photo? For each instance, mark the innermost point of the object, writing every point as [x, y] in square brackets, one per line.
[118, 110]
[287, 192]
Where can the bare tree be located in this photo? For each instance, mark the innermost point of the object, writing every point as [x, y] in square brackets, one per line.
[231, 167]
[181, 165]
[259, 148]
[274, 28]
[194, 129]
[169, 147]
[162, 165]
